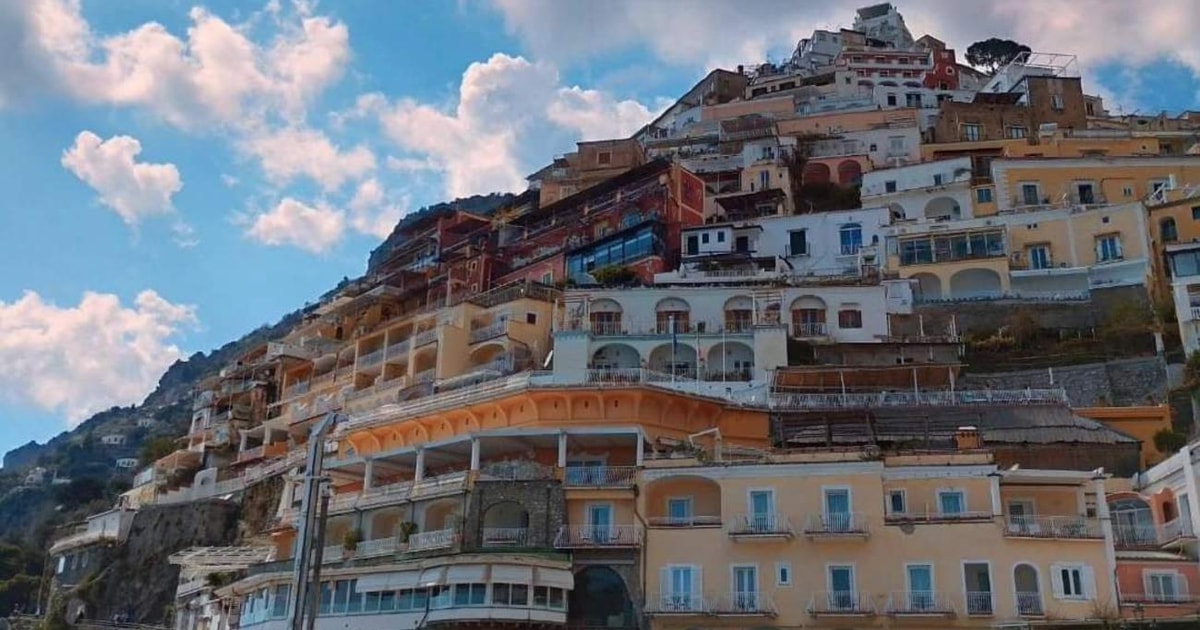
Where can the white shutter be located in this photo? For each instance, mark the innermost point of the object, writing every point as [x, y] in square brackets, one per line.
[664, 581]
[1181, 586]
[1148, 585]
[1088, 577]
[1056, 582]
[698, 580]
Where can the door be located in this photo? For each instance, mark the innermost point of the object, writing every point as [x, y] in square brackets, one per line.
[762, 511]
[745, 588]
[742, 244]
[679, 511]
[682, 589]
[1087, 194]
[1029, 194]
[978, 579]
[920, 587]
[1021, 517]
[837, 511]
[841, 588]
[693, 245]
[599, 529]
[1039, 257]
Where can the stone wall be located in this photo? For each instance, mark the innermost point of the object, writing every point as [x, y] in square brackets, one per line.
[1121, 383]
[989, 315]
[545, 501]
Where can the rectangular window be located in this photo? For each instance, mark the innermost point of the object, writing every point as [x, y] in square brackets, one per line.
[1108, 247]
[850, 318]
[889, 186]
[1071, 581]
[720, 237]
[693, 245]
[704, 238]
[798, 243]
[850, 236]
[783, 574]
[547, 597]
[681, 587]
[679, 510]
[891, 99]
[972, 132]
[604, 158]
[1086, 193]
[1030, 195]
[983, 195]
[912, 100]
[1196, 213]
[1166, 587]
[951, 502]
[1039, 257]
[896, 502]
[1017, 132]
[1127, 191]
[764, 180]
[937, 179]
[1056, 102]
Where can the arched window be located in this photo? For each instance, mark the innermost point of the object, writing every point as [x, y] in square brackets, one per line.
[1170, 233]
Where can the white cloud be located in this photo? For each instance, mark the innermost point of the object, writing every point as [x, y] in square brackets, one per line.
[291, 152]
[134, 190]
[512, 116]
[315, 228]
[372, 213]
[712, 34]
[216, 76]
[81, 359]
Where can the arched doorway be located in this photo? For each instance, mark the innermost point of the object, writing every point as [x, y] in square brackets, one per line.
[600, 599]
[616, 356]
[1029, 592]
[739, 314]
[816, 173]
[929, 287]
[975, 284]
[1133, 522]
[505, 524]
[674, 358]
[670, 312]
[808, 317]
[849, 173]
[729, 361]
[942, 208]
[605, 317]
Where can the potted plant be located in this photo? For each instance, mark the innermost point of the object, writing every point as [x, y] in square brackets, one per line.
[351, 539]
[407, 529]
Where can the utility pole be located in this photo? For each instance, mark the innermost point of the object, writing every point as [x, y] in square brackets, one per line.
[314, 508]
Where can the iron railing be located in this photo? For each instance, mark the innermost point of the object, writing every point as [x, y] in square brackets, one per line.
[841, 603]
[584, 536]
[1056, 527]
[836, 524]
[760, 525]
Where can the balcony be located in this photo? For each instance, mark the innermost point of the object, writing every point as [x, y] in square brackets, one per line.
[598, 536]
[919, 603]
[1029, 604]
[600, 476]
[684, 521]
[433, 540]
[504, 536]
[760, 526]
[916, 399]
[810, 330]
[685, 604]
[847, 525]
[742, 604]
[377, 548]
[980, 603]
[398, 349]
[899, 518]
[371, 358]
[424, 338]
[250, 454]
[841, 603]
[292, 391]
[1053, 527]
[490, 331]
[1177, 598]
[425, 376]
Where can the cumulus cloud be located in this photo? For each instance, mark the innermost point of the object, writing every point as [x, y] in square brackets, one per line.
[291, 152]
[512, 115]
[81, 359]
[313, 228]
[372, 212]
[217, 75]
[724, 34]
[134, 190]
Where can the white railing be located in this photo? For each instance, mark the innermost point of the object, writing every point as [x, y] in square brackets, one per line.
[676, 603]
[398, 349]
[376, 548]
[916, 399]
[980, 603]
[449, 482]
[1029, 604]
[837, 524]
[437, 539]
[333, 553]
[684, 521]
[1177, 528]
[1195, 313]
[504, 536]
[841, 603]
[424, 337]
[1055, 527]
[370, 358]
[425, 376]
[938, 516]
[760, 525]
[495, 329]
[815, 329]
[600, 476]
[918, 603]
[598, 536]
[741, 603]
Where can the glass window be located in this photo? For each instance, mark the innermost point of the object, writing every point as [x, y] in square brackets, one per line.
[783, 574]
[279, 602]
[972, 133]
[387, 601]
[1108, 247]
[1196, 213]
[341, 596]
[896, 502]
[470, 594]
[983, 195]
[798, 243]
[889, 186]
[850, 318]
[1039, 257]
[851, 238]
[679, 510]
[1030, 195]
[951, 502]
[1070, 582]
[326, 598]
[547, 597]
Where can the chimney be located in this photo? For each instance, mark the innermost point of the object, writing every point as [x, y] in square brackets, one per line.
[967, 438]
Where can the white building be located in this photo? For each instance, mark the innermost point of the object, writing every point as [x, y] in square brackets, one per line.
[113, 439]
[884, 22]
[1184, 266]
[127, 463]
[885, 146]
[145, 422]
[36, 476]
[930, 190]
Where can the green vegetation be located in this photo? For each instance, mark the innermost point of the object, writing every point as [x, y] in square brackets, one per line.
[615, 276]
[155, 449]
[20, 568]
[1168, 441]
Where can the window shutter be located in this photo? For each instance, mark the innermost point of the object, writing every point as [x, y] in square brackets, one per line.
[1088, 577]
[1056, 580]
[664, 581]
[698, 580]
[1147, 583]
[1181, 585]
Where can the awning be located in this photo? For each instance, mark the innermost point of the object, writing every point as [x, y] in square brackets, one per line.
[557, 578]
[512, 574]
[387, 581]
[435, 576]
[466, 574]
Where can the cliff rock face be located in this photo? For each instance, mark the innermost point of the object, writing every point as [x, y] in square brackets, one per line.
[140, 582]
[483, 205]
[259, 504]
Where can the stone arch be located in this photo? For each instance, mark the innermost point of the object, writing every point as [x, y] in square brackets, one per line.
[604, 305]
[942, 208]
[678, 358]
[817, 173]
[975, 284]
[912, 84]
[600, 598]
[849, 172]
[739, 313]
[929, 287]
[729, 361]
[505, 523]
[888, 84]
[616, 356]
[441, 514]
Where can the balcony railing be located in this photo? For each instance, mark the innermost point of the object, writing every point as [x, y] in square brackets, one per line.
[437, 539]
[376, 548]
[250, 454]
[504, 536]
[370, 358]
[749, 603]
[676, 604]
[812, 329]
[842, 524]
[298, 389]
[916, 399]
[684, 521]
[980, 603]
[841, 603]
[1029, 604]
[919, 603]
[938, 517]
[600, 476]
[761, 525]
[1053, 527]
[398, 349]
[490, 331]
[585, 536]
[425, 376]
[1160, 599]
[1176, 529]
[424, 337]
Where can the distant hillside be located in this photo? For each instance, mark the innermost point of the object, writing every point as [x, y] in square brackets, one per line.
[479, 204]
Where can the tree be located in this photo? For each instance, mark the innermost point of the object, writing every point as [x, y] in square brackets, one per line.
[156, 448]
[1168, 441]
[993, 53]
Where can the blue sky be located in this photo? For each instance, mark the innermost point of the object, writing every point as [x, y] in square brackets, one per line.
[179, 173]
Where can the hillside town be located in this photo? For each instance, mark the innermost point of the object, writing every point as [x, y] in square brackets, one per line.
[868, 337]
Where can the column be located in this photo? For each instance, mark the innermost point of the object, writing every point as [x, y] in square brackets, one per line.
[997, 507]
[1110, 554]
[419, 474]
[474, 453]
[562, 450]
[641, 448]
[369, 475]
[1081, 500]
